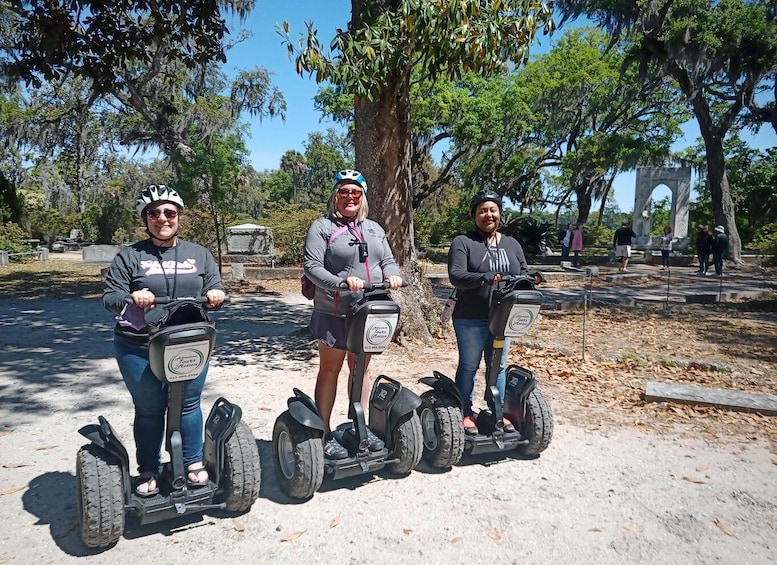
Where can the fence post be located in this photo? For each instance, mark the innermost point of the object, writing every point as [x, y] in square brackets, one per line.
[3, 258]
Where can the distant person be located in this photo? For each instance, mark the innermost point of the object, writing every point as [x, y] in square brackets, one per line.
[666, 247]
[719, 249]
[621, 242]
[566, 243]
[577, 243]
[703, 249]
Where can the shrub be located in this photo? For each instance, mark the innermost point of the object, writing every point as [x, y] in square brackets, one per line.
[12, 239]
[765, 241]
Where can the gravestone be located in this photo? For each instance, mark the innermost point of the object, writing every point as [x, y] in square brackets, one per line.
[99, 253]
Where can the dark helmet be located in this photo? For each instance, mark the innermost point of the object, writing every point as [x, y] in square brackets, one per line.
[484, 196]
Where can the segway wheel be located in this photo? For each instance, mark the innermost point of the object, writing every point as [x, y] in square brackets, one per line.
[443, 434]
[408, 441]
[100, 497]
[298, 455]
[537, 424]
[242, 470]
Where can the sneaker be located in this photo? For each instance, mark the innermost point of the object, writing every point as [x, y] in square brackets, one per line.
[707, 273]
[333, 449]
[374, 443]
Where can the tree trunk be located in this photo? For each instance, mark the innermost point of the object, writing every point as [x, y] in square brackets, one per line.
[583, 203]
[722, 204]
[382, 144]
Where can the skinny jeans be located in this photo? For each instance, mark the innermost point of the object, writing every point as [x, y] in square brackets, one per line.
[474, 341]
[149, 395]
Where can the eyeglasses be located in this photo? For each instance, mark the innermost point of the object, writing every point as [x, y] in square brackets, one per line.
[353, 192]
[169, 213]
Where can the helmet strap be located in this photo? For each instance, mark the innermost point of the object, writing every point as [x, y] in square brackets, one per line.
[153, 237]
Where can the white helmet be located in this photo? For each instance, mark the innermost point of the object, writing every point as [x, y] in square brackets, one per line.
[157, 193]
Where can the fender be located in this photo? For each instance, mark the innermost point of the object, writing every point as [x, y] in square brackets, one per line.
[304, 410]
[443, 384]
[103, 436]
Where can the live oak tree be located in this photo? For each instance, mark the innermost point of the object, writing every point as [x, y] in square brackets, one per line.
[721, 55]
[374, 59]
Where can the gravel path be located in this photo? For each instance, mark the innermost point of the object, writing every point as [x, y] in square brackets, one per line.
[614, 495]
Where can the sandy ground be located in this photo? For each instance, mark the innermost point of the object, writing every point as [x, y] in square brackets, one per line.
[611, 495]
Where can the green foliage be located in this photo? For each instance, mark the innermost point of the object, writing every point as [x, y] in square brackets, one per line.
[765, 241]
[12, 239]
[534, 235]
[597, 236]
[290, 223]
[102, 221]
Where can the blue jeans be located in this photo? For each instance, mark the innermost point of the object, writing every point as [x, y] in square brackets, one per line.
[474, 340]
[149, 395]
[665, 258]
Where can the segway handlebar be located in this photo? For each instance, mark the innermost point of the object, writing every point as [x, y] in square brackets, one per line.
[168, 300]
[369, 287]
[531, 278]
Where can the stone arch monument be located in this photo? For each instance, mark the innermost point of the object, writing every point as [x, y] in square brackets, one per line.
[678, 179]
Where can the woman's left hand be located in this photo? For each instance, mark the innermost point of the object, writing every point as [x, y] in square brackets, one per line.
[215, 297]
[394, 282]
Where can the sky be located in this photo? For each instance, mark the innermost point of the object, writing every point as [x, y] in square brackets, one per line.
[271, 138]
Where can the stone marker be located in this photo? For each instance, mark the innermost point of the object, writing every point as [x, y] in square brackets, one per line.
[99, 253]
[765, 404]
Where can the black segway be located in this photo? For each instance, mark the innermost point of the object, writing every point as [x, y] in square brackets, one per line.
[514, 308]
[298, 450]
[177, 353]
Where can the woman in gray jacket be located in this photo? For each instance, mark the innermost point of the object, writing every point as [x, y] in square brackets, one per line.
[343, 246]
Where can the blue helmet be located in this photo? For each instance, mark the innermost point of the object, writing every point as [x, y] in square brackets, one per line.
[350, 175]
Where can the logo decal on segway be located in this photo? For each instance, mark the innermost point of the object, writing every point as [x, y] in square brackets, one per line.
[521, 318]
[378, 331]
[186, 361]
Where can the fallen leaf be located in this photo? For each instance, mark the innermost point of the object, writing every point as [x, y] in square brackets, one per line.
[594, 530]
[11, 491]
[292, 536]
[15, 465]
[456, 539]
[694, 480]
[703, 468]
[45, 447]
[724, 528]
[632, 528]
[407, 531]
[239, 527]
[334, 522]
[494, 533]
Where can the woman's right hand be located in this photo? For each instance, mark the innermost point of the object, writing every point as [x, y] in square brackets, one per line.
[354, 284]
[143, 298]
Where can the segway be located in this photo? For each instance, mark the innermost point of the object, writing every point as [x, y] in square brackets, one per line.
[298, 449]
[178, 352]
[514, 308]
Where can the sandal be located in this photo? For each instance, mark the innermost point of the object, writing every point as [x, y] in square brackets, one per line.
[194, 476]
[146, 479]
[470, 427]
[507, 426]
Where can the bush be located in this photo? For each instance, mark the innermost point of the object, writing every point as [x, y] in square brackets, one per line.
[13, 239]
[765, 240]
[290, 224]
[597, 236]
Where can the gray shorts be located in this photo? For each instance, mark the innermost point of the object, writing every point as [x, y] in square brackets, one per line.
[623, 251]
[330, 330]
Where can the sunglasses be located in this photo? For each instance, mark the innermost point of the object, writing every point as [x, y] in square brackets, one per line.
[354, 193]
[169, 214]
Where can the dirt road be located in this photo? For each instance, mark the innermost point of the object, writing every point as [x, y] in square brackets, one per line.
[614, 495]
